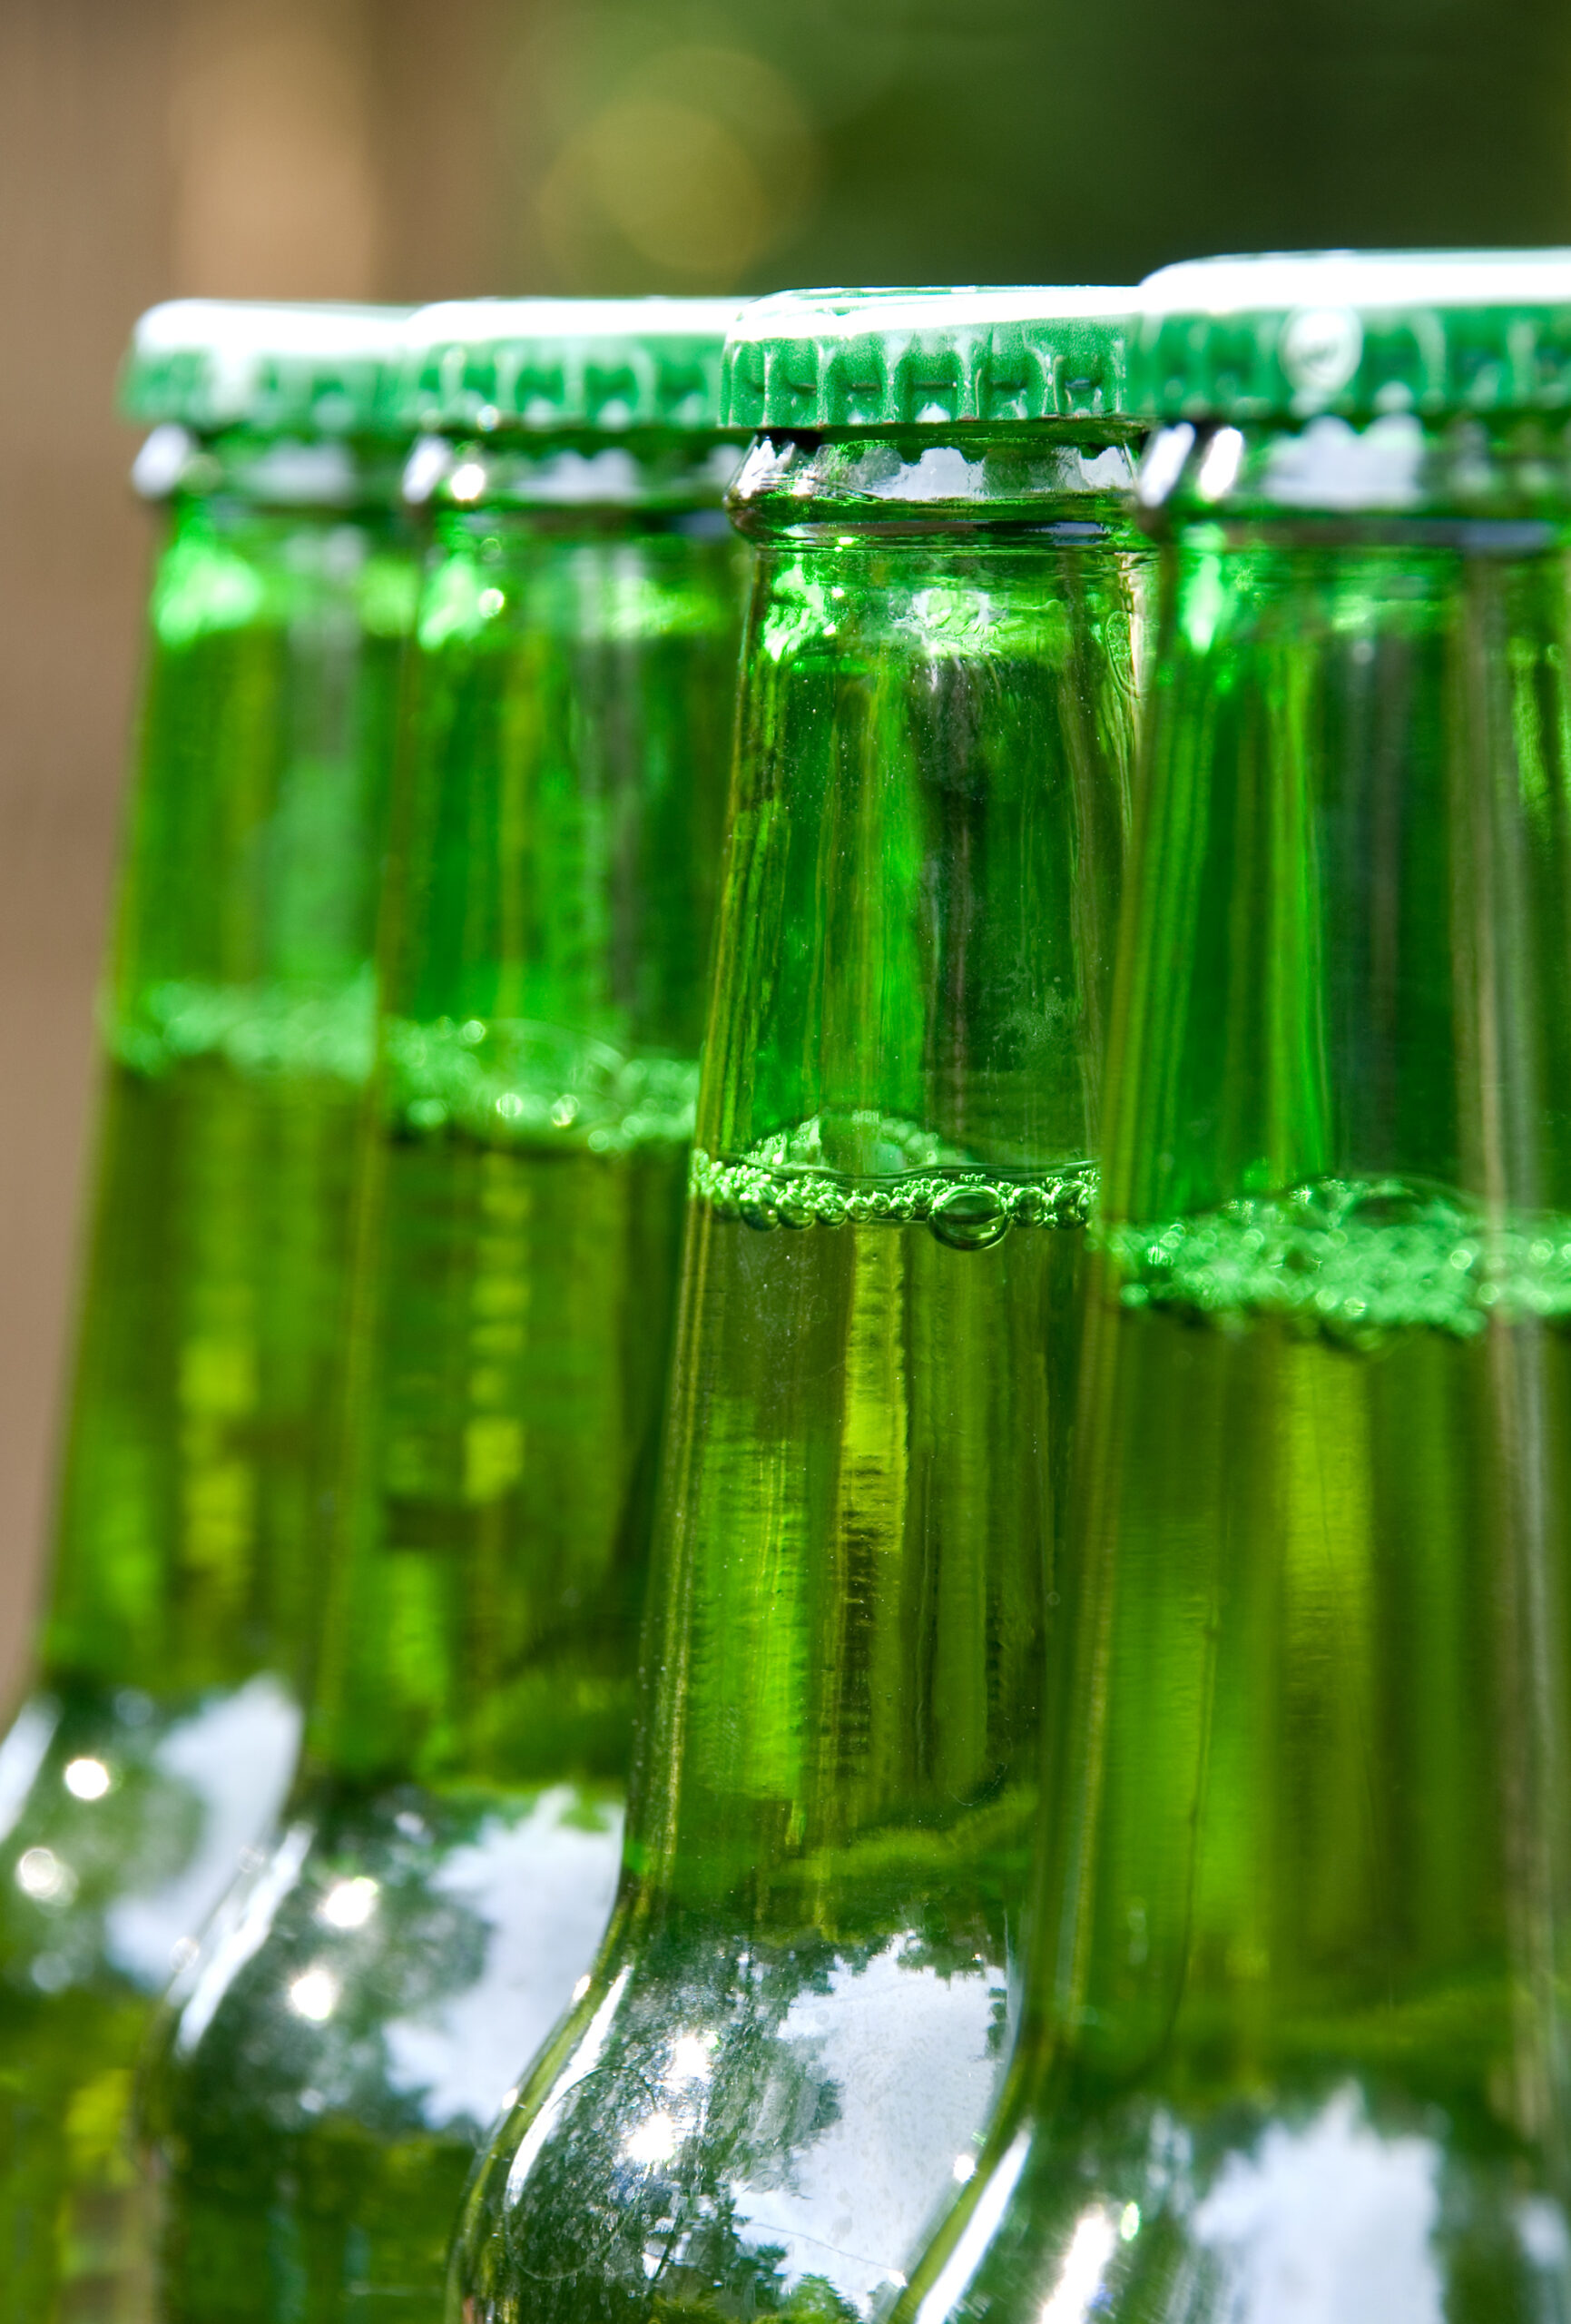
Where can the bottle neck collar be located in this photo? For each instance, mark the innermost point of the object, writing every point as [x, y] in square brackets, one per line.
[270, 472]
[647, 471]
[1391, 467]
[1067, 474]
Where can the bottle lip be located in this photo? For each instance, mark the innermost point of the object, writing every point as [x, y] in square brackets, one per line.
[655, 471]
[1507, 469]
[929, 359]
[1291, 334]
[1080, 476]
[277, 471]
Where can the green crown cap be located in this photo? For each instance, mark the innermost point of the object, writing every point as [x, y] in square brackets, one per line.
[928, 359]
[209, 364]
[1355, 332]
[602, 365]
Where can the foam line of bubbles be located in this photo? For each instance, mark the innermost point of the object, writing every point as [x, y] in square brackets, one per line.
[966, 1207]
[1351, 1258]
[258, 1029]
[511, 1083]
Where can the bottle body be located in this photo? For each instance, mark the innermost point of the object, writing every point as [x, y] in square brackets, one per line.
[1298, 2040]
[790, 2039]
[325, 2083]
[161, 1736]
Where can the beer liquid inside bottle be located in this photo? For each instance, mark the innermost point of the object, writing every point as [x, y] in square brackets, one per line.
[789, 2042]
[161, 1728]
[449, 1856]
[1297, 2039]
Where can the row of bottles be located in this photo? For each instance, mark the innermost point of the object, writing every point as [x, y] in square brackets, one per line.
[1064, 1292]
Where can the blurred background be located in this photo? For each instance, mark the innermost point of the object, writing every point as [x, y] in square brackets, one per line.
[400, 150]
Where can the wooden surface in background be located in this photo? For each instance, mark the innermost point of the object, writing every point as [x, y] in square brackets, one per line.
[84, 195]
[152, 148]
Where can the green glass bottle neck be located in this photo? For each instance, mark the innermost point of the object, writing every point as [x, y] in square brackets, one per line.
[1342, 999]
[544, 940]
[897, 899]
[573, 670]
[238, 1027]
[246, 917]
[898, 1105]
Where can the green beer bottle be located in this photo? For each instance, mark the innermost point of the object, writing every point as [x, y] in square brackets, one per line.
[790, 2043]
[1296, 2041]
[450, 1851]
[161, 1728]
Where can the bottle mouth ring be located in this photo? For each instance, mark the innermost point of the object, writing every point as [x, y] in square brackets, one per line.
[281, 471]
[657, 470]
[1513, 470]
[1072, 480]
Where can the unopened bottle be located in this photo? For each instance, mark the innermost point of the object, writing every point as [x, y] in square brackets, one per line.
[789, 2045]
[450, 1852]
[1297, 2027]
[160, 1727]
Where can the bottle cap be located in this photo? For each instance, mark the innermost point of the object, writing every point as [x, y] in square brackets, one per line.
[595, 366]
[1355, 332]
[928, 359]
[207, 364]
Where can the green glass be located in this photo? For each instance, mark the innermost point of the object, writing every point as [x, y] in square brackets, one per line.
[790, 2041]
[451, 1848]
[1296, 2037]
[161, 1728]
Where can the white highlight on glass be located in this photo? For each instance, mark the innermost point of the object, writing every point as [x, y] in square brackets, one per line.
[232, 1760]
[539, 1880]
[585, 2060]
[654, 2140]
[1091, 2247]
[349, 1904]
[314, 1995]
[428, 464]
[239, 1932]
[468, 481]
[693, 2057]
[21, 1755]
[971, 2249]
[1331, 464]
[1219, 464]
[1163, 464]
[42, 1874]
[1541, 2226]
[87, 1779]
[162, 461]
[965, 2168]
[1329, 2224]
[1321, 348]
[1129, 2223]
[580, 1989]
[906, 2051]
